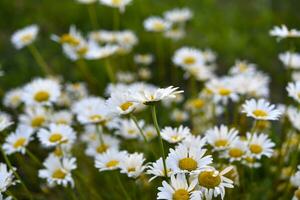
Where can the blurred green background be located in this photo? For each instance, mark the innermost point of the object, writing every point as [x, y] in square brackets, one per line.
[234, 29]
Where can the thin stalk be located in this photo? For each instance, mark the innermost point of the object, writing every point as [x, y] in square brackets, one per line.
[122, 186]
[33, 157]
[40, 60]
[154, 118]
[110, 71]
[100, 135]
[116, 19]
[93, 15]
[15, 173]
[138, 126]
[85, 71]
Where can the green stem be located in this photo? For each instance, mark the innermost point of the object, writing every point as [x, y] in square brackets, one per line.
[100, 135]
[110, 71]
[93, 15]
[154, 118]
[116, 19]
[138, 126]
[122, 186]
[40, 60]
[15, 173]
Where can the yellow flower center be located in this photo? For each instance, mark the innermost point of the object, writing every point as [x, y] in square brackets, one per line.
[260, 113]
[131, 169]
[62, 121]
[131, 131]
[58, 152]
[221, 143]
[126, 106]
[158, 26]
[209, 179]
[224, 91]
[42, 96]
[175, 137]
[250, 159]
[112, 163]
[116, 2]
[197, 103]
[102, 148]
[59, 174]
[20, 142]
[67, 38]
[236, 152]
[188, 164]
[255, 148]
[95, 118]
[189, 60]
[181, 194]
[55, 137]
[37, 121]
[26, 38]
[82, 51]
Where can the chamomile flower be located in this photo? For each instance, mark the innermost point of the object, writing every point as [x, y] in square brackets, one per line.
[143, 59]
[18, 140]
[128, 129]
[41, 92]
[236, 151]
[212, 182]
[120, 4]
[151, 95]
[178, 15]
[242, 67]
[259, 145]
[73, 38]
[157, 169]
[178, 188]
[7, 178]
[174, 135]
[179, 115]
[294, 90]
[260, 110]
[13, 98]
[290, 60]
[56, 134]
[221, 137]
[187, 56]
[58, 170]
[133, 165]
[97, 146]
[25, 36]
[110, 160]
[150, 132]
[62, 117]
[76, 91]
[35, 116]
[283, 32]
[185, 159]
[156, 24]
[120, 103]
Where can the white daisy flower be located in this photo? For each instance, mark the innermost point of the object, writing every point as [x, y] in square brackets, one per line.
[242, 67]
[185, 159]
[151, 95]
[41, 92]
[251, 162]
[110, 160]
[128, 129]
[236, 151]
[175, 135]
[97, 147]
[73, 38]
[283, 32]
[18, 140]
[294, 90]
[120, 103]
[157, 169]
[259, 145]
[290, 60]
[212, 182]
[156, 24]
[13, 98]
[58, 170]
[143, 59]
[62, 117]
[76, 91]
[294, 117]
[187, 56]
[25, 36]
[144, 73]
[5, 122]
[178, 15]
[260, 110]
[7, 178]
[221, 137]
[120, 4]
[179, 188]
[56, 134]
[133, 165]
[150, 132]
[179, 115]
[175, 33]
[35, 116]
[201, 72]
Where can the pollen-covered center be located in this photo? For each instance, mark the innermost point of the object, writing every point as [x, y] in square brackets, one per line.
[188, 164]
[131, 169]
[37, 121]
[95, 118]
[59, 174]
[42, 96]
[102, 148]
[116, 2]
[224, 91]
[221, 143]
[67, 38]
[209, 179]
[158, 26]
[255, 148]
[55, 137]
[125, 106]
[260, 113]
[112, 163]
[181, 194]
[189, 60]
[27, 38]
[235, 152]
[197, 103]
[20, 142]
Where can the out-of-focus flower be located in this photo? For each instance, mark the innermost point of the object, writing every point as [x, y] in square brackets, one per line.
[25, 36]
[156, 24]
[283, 32]
[290, 60]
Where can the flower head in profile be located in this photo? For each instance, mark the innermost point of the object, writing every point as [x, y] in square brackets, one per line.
[178, 15]
[18, 140]
[58, 170]
[7, 178]
[260, 110]
[174, 135]
[156, 24]
[110, 160]
[143, 59]
[25, 36]
[13, 98]
[35, 116]
[283, 32]
[120, 103]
